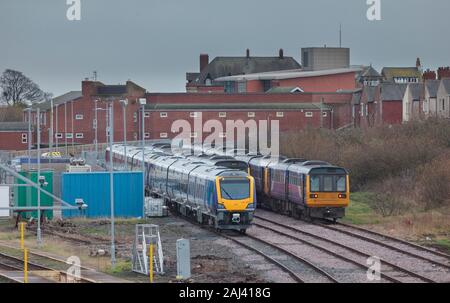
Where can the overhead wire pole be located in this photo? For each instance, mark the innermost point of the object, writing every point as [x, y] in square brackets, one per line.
[111, 181]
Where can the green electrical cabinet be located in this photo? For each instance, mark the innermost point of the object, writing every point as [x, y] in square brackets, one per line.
[20, 192]
[26, 196]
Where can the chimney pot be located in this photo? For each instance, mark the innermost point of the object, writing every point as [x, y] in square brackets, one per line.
[281, 53]
[248, 53]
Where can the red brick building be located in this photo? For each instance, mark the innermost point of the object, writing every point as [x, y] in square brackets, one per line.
[13, 136]
[74, 113]
[294, 111]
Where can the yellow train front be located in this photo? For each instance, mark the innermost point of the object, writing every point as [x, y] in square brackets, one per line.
[309, 189]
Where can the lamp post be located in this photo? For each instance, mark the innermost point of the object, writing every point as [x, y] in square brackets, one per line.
[29, 136]
[111, 181]
[51, 126]
[96, 129]
[142, 103]
[124, 111]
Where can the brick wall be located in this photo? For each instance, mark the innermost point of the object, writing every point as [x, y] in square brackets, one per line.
[12, 140]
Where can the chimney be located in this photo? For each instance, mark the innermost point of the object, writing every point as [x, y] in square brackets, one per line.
[204, 61]
[429, 75]
[443, 73]
[247, 53]
[418, 64]
[281, 54]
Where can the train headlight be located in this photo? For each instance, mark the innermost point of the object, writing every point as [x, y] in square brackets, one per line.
[342, 196]
[314, 196]
[220, 206]
[251, 205]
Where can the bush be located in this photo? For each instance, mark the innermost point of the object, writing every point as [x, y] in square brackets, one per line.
[403, 166]
[435, 183]
[372, 154]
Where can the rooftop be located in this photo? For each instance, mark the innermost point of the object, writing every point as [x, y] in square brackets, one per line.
[67, 97]
[230, 66]
[446, 84]
[432, 87]
[290, 74]
[416, 90]
[392, 91]
[13, 126]
[389, 73]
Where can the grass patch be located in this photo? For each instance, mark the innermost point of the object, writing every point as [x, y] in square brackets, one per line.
[122, 267]
[359, 211]
[443, 244]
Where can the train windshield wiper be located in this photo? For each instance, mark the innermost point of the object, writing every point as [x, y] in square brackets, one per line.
[229, 196]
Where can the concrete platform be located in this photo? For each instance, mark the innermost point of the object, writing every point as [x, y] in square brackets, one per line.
[17, 276]
[99, 277]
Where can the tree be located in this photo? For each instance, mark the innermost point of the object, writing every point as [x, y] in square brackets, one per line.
[18, 89]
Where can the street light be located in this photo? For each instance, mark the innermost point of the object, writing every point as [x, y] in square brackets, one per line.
[96, 128]
[124, 109]
[142, 103]
[28, 109]
[111, 181]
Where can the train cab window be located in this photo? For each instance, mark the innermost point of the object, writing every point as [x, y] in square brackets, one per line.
[315, 183]
[235, 189]
[340, 183]
[327, 183]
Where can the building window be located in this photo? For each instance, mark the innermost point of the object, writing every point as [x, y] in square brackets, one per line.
[251, 114]
[308, 114]
[69, 135]
[24, 138]
[222, 115]
[135, 117]
[58, 135]
[163, 115]
[194, 135]
[280, 114]
[229, 87]
[267, 85]
[79, 135]
[324, 114]
[79, 117]
[146, 135]
[193, 114]
[135, 136]
[163, 135]
[242, 87]
[208, 82]
[146, 114]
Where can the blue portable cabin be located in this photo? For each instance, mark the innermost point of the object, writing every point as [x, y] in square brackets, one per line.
[94, 189]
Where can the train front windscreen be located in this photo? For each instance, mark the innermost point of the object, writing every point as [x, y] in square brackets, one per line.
[328, 180]
[235, 189]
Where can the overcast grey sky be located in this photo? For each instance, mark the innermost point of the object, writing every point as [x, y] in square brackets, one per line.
[154, 42]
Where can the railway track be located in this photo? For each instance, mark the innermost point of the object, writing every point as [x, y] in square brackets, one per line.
[293, 266]
[405, 247]
[397, 273]
[297, 263]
